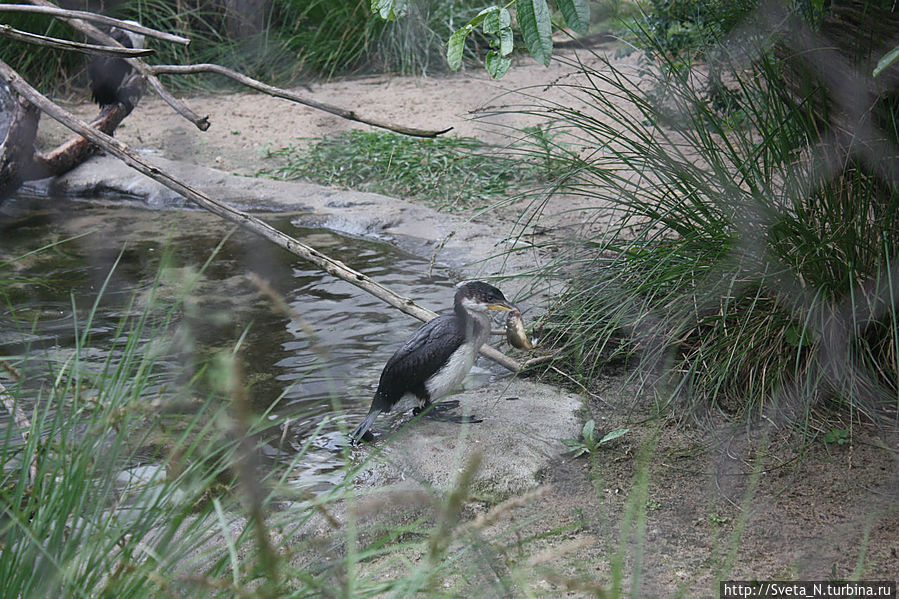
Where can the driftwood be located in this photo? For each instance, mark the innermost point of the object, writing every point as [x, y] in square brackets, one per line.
[245, 220]
[18, 160]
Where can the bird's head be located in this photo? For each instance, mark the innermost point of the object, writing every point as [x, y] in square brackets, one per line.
[129, 39]
[479, 297]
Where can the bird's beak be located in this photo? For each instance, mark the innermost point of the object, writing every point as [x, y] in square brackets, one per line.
[503, 307]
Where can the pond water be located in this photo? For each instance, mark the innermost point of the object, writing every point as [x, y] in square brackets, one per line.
[335, 352]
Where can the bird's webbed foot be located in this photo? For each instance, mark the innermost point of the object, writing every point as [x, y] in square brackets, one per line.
[442, 412]
[367, 437]
[443, 406]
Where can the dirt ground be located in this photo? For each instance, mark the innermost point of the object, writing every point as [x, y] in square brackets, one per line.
[721, 501]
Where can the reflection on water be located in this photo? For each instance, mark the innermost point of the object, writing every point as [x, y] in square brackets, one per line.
[331, 355]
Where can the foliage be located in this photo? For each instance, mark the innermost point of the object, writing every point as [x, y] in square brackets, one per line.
[690, 26]
[535, 23]
[747, 264]
[588, 443]
[42, 67]
[299, 39]
[446, 172]
[331, 37]
[886, 61]
[840, 436]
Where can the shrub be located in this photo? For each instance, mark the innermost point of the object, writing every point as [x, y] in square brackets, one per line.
[750, 266]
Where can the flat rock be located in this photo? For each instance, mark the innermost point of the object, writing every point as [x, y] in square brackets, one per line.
[518, 440]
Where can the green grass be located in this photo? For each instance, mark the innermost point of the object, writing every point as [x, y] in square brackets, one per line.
[749, 266]
[451, 173]
[114, 489]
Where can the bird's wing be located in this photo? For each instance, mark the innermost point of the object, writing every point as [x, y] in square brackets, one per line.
[421, 356]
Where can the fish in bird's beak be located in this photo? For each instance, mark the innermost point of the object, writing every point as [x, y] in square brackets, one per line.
[516, 334]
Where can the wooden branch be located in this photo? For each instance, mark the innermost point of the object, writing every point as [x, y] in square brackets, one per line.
[54, 42]
[245, 220]
[289, 95]
[140, 66]
[102, 19]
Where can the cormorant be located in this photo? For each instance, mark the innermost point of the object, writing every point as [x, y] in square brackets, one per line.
[436, 359]
[107, 72]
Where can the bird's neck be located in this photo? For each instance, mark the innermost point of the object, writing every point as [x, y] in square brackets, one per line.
[475, 324]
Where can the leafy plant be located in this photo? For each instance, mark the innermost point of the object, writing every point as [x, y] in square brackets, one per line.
[840, 436]
[724, 253]
[535, 23]
[446, 172]
[542, 145]
[588, 443]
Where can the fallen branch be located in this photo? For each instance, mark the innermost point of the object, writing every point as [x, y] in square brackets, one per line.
[54, 42]
[90, 16]
[245, 220]
[278, 92]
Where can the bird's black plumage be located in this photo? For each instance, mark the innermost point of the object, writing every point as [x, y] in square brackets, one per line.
[107, 73]
[440, 353]
[419, 358]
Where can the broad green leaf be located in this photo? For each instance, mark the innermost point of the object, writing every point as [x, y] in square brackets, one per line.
[455, 46]
[793, 335]
[536, 28]
[885, 62]
[479, 18]
[495, 19]
[613, 435]
[506, 43]
[576, 13]
[497, 65]
[588, 430]
[492, 21]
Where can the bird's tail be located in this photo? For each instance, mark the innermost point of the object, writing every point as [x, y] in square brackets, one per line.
[363, 427]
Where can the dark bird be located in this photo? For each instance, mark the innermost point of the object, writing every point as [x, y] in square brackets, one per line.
[436, 359]
[107, 72]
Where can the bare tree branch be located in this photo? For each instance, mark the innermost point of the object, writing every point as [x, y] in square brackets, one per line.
[245, 220]
[140, 66]
[278, 92]
[53, 42]
[102, 19]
